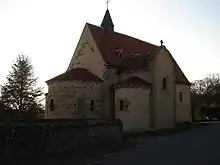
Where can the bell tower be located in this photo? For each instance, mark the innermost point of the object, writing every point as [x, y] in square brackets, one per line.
[107, 23]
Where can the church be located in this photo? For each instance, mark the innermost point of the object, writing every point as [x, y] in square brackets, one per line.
[115, 76]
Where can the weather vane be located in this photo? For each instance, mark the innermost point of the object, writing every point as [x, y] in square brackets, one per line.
[107, 3]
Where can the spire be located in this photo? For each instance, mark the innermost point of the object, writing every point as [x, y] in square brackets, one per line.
[107, 21]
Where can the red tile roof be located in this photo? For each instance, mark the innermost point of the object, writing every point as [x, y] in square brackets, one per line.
[76, 74]
[108, 42]
[133, 81]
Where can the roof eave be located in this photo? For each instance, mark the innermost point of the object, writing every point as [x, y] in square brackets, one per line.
[183, 83]
[119, 86]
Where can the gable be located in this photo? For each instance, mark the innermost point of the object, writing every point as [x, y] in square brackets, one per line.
[87, 54]
[165, 65]
[180, 77]
[167, 59]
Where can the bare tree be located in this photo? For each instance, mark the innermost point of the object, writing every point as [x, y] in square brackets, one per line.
[206, 89]
[205, 92]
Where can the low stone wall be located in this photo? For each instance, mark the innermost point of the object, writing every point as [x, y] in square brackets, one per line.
[35, 138]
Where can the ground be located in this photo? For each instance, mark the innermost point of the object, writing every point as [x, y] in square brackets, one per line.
[192, 147]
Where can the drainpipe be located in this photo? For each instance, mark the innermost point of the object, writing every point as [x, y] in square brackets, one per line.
[174, 105]
[152, 109]
[112, 95]
[112, 90]
[174, 112]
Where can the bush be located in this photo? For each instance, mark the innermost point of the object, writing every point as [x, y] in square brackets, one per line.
[211, 112]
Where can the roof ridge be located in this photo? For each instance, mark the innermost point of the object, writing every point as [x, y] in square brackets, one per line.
[136, 39]
[125, 35]
[68, 75]
[135, 80]
[135, 76]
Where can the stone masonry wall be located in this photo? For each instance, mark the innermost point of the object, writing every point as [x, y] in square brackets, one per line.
[35, 138]
[73, 100]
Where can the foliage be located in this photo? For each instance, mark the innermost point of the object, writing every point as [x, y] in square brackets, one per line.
[19, 92]
[2, 106]
[205, 92]
[211, 112]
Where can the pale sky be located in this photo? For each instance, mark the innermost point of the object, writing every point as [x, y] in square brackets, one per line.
[48, 31]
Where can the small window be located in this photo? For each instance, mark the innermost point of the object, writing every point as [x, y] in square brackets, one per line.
[121, 105]
[181, 97]
[119, 52]
[92, 105]
[51, 104]
[164, 83]
[74, 106]
[135, 54]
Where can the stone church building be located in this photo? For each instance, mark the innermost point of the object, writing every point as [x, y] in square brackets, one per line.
[115, 76]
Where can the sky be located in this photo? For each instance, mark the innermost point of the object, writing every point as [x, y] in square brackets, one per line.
[48, 30]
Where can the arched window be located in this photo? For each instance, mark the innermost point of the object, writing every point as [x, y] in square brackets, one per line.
[181, 97]
[164, 83]
[51, 104]
[121, 105]
[92, 105]
[75, 107]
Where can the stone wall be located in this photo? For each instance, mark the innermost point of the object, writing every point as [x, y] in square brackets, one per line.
[135, 112]
[109, 75]
[54, 136]
[87, 54]
[183, 103]
[163, 95]
[72, 100]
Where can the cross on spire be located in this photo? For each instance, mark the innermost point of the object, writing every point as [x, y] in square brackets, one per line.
[107, 1]
[161, 42]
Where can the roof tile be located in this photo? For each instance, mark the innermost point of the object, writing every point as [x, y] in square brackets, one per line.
[76, 74]
[133, 81]
[109, 41]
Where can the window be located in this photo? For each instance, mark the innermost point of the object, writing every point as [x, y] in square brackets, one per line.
[135, 54]
[51, 104]
[181, 97]
[92, 105]
[119, 52]
[164, 83]
[74, 107]
[121, 105]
